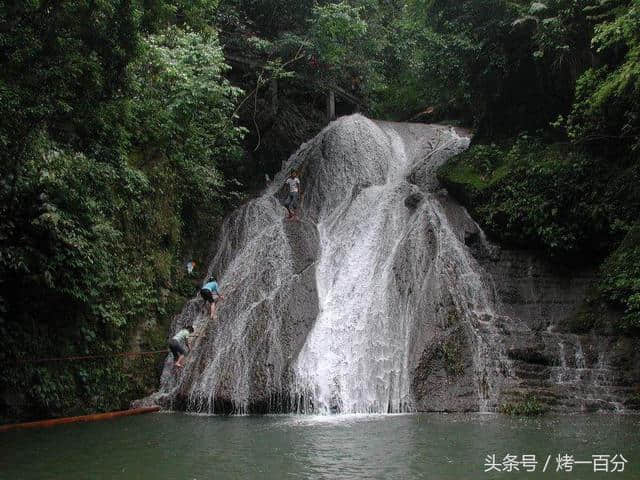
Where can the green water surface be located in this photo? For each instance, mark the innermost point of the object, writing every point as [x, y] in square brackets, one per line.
[430, 446]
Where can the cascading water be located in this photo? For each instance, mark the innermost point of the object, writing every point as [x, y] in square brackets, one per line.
[342, 311]
[357, 356]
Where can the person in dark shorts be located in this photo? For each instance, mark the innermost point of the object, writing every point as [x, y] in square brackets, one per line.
[177, 345]
[291, 203]
[210, 292]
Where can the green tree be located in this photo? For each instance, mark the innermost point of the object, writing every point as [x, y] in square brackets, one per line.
[112, 137]
[606, 110]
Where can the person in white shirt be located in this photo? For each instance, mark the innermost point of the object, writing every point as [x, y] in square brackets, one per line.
[177, 345]
[291, 203]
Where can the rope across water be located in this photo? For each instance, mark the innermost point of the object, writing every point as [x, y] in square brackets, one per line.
[90, 357]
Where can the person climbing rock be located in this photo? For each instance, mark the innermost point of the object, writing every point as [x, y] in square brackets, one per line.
[176, 345]
[291, 203]
[210, 291]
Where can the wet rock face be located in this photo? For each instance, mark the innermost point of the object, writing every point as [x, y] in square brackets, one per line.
[335, 312]
[564, 368]
[242, 360]
[386, 297]
[413, 200]
[443, 379]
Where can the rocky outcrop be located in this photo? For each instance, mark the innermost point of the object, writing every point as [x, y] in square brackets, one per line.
[443, 380]
[242, 360]
[387, 297]
[563, 359]
[553, 347]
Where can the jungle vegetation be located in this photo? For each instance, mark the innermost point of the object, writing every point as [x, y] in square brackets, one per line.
[126, 135]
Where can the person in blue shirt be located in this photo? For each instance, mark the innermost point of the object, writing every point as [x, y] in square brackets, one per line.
[211, 293]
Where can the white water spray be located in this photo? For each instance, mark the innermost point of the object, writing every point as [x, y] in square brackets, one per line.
[342, 326]
[357, 357]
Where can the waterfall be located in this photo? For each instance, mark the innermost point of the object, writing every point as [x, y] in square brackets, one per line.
[355, 357]
[343, 311]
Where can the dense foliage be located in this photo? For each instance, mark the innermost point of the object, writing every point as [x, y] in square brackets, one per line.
[112, 131]
[121, 143]
[501, 66]
[621, 278]
[607, 110]
[571, 188]
[552, 197]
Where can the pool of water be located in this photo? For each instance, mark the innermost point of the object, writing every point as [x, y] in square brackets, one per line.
[432, 446]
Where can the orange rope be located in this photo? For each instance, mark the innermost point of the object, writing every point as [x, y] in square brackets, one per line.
[88, 357]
